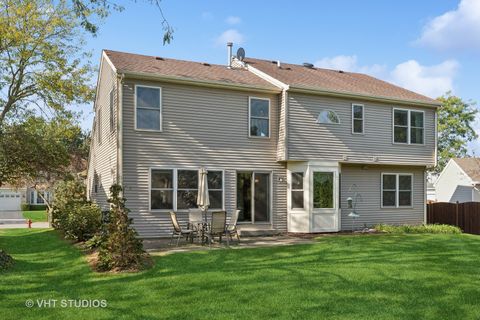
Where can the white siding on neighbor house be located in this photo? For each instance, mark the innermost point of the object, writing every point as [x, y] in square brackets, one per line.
[103, 156]
[200, 127]
[368, 184]
[309, 140]
[453, 184]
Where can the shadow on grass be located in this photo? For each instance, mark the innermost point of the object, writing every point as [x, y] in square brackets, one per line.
[392, 276]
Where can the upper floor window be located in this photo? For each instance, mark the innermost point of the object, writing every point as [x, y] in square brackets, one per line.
[259, 122]
[111, 102]
[328, 116]
[148, 108]
[408, 126]
[397, 189]
[357, 118]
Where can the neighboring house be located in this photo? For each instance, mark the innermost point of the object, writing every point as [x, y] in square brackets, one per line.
[11, 198]
[286, 144]
[459, 181]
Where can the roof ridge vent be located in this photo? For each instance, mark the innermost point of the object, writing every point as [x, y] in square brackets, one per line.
[206, 64]
[308, 65]
[341, 71]
[159, 58]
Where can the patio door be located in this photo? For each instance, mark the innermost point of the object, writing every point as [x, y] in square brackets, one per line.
[253, 196]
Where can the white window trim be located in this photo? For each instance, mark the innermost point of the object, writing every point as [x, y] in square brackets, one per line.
[397, 190]
[297, 190]
[250, 117]
[175, 187]
[409, 127]
[135, 108]
[353, 118]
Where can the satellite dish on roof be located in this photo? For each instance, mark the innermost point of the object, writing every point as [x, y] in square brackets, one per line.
[240, 54]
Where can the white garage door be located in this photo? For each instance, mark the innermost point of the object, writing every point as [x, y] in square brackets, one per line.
[10, 200]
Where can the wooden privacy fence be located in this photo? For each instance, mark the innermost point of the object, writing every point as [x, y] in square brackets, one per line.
[465, 215]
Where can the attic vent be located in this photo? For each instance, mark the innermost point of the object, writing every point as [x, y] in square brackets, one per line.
[159, 58]
[206, 64]
[308, 65]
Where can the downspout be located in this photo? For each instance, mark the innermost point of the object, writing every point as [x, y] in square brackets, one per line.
[120, 129]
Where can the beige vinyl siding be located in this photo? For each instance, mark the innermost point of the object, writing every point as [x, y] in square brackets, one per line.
[368, 184]
[201, 127]
[310, 140]
[103, 156]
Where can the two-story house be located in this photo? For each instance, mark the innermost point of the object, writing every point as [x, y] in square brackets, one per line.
[286, 144]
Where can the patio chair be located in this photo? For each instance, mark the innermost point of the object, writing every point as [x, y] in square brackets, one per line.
[217, 227]
[231, 228]
[178, 231]
[195, 221]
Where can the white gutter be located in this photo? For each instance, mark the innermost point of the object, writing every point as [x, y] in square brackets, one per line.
[196, 82]
[324, 92]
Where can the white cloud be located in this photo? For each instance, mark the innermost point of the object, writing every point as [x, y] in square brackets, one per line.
[349, 63]
[230, 35]
[431, 81]
[232, 20]
[456, 29]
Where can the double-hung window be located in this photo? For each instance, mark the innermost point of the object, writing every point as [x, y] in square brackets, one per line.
[148, 108]
[259, 117]
[357, 118]
[297, 190]
[397, 190]
[408, 126]
[177, 189]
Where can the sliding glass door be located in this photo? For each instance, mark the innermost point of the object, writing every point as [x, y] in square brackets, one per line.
[253, 196]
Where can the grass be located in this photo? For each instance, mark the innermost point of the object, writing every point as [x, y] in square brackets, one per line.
[36, 215]
[413, 276]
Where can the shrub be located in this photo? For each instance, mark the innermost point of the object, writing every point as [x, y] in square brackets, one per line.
[122, 249]
[82, 221]
[95, 242]
[38, 207]
[67, 195]
[424, 228]
[25, 207]
[6, 261]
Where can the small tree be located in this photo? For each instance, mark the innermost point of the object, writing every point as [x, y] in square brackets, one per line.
[122, 250]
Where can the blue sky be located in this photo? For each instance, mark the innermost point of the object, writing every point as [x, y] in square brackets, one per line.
[428, 46]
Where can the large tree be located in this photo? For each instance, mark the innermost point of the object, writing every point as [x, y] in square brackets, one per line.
[42, 60]
[37, 153]
[91, 11]
[455, 128]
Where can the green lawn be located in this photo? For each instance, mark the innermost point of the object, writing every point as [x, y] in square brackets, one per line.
[36, 216]
[363, 277]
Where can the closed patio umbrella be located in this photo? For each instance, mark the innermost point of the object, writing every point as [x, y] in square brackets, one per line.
[203, 200]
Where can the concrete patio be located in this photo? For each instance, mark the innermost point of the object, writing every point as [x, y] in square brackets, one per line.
[162, 246]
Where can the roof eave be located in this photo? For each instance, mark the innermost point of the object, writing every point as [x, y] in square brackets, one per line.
[198, 82]
[342, 94]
